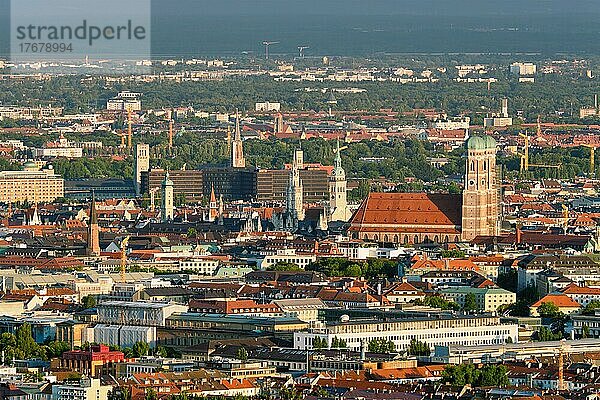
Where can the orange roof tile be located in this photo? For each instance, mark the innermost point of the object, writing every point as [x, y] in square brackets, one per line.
[560, 300]
[396, 209]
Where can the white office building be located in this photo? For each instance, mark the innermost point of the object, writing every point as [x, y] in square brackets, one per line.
[442, 331]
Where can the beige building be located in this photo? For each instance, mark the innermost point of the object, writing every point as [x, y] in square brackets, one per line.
[33, 186]
[487, 299]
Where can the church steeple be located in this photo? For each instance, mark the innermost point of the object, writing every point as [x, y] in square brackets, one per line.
[338, 204]
[213, 208]
[93, 242]
[480, 196]
[295, 194]
[237, 148]
[167, 200]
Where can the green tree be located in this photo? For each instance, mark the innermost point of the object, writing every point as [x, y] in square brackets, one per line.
[161, 351]
[290, 393]
[56, 349]
[284, 266]
[151, 395]
[591, 307]
[454, 253]
[88, 302]
[545, 335]
[469, 374]
[585, 332]
[25, 343]
[242, 354]
[192, 233]
[418, 348]
[319, 344]
[381, 346]
[141, 349]
[549, 310]
[337, 343]
[470, 302]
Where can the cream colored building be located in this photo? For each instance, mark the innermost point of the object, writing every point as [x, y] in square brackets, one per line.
[487, 299]
[435, 331]
[33, 186]
[306, 310]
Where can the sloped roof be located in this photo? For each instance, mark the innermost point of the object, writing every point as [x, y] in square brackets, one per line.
[443, 210]
[560, 300]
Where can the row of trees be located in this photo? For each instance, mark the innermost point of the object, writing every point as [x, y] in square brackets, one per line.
[22, 346]
[469, 374]
[336, 343]
[371, 268]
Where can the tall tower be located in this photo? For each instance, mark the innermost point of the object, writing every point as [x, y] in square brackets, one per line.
[338, 204]
[295, 195]
[93, 240]
[237, 149]
[141, 163]
[278, 126]
[213, 207]
[504, 108]
[167, 199]
[480, 196]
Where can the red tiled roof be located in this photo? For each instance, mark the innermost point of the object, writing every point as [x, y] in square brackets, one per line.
[397, 209]
[576, 289]
[560, 300]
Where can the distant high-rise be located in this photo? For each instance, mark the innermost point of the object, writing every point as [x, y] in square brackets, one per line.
[504, 108]
[167, 199]
[237, 149]
[141, 164]
[93, 240]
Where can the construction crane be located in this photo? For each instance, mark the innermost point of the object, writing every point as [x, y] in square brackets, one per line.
[267, 44]
[562, 351]
[338, 148]
[170, 136]
[525, 165]
[301, 50]
[124, 243]
[592, 157]
[129, 129]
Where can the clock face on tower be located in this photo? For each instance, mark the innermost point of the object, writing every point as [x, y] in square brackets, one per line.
[471, 183]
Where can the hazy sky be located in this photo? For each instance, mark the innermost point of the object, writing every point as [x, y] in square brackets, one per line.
[198, 27]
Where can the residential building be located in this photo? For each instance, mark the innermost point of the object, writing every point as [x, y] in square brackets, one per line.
[86, 389]
[487, 299]
[564, 303]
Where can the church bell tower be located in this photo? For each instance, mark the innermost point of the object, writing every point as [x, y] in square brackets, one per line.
[480, 196]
